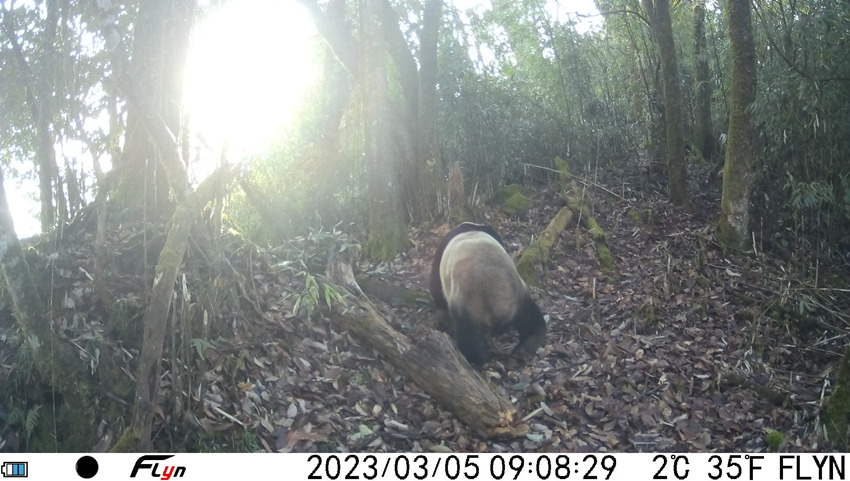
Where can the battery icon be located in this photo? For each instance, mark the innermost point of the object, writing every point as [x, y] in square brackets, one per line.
[14, 470]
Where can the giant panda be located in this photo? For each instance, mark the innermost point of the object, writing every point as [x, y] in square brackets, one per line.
[475, 279]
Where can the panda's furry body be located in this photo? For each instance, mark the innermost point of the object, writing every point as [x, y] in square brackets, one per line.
[473, 277]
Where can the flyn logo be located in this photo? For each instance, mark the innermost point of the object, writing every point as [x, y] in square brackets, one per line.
[164, 473]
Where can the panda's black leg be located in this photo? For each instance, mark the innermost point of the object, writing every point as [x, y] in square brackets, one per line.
[531, 326]
[470, 341]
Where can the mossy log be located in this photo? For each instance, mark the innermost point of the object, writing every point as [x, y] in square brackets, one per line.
[603, 253]
[392, 294]
[518, 203]
[537, 254]
[435, 365]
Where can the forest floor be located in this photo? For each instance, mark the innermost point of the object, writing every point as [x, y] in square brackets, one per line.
[680, 348]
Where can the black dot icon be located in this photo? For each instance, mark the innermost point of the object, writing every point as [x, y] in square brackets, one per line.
[86, 467]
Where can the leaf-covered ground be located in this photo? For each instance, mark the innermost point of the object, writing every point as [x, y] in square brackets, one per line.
[680, 348]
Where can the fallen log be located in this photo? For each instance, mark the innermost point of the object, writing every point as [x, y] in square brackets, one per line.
[435, 365]
[537, 254]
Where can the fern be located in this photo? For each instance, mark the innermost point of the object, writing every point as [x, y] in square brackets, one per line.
[16, 416]
[31, 423]
[28, 420]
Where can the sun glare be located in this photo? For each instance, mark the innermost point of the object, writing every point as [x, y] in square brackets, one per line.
[250, 64]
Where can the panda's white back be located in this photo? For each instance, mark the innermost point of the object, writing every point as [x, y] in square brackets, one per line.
[476, 269]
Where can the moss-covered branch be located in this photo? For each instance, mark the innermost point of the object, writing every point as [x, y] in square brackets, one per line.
[606, 260]
[537, 254]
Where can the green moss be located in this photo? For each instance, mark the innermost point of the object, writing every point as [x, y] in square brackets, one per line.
[596, 232]
[526, 271]
[384, 246]
[359, 378]
[72, 429]
[578, 207]
[774, 439]
[533, 256]
[463, 213]
[643, 216]
[563, 172]
[606, 260]
[127, 443]
[505, 193]
[516, 204]
[117, 379]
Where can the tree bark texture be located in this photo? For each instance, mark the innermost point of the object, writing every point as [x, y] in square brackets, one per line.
[418, 190]
[662, 27]
[703, 127]
[38, 97]
[335, 99]
[427, 155]
[337, 33]
[156, 316]
[160, 46]
[387, 232]
[411, 136]
[437, 367]
[733, 229]
[432, 362]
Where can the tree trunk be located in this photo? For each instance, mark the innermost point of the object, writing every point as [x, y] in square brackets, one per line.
[160, 46]
[335, 97]
[703, 128]
[156, 316]
[414, 144]
[427, 155]
[662, 28]
[38, 103]
[387, 232]
[733, 230]
[337, 33]
[418, 173]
